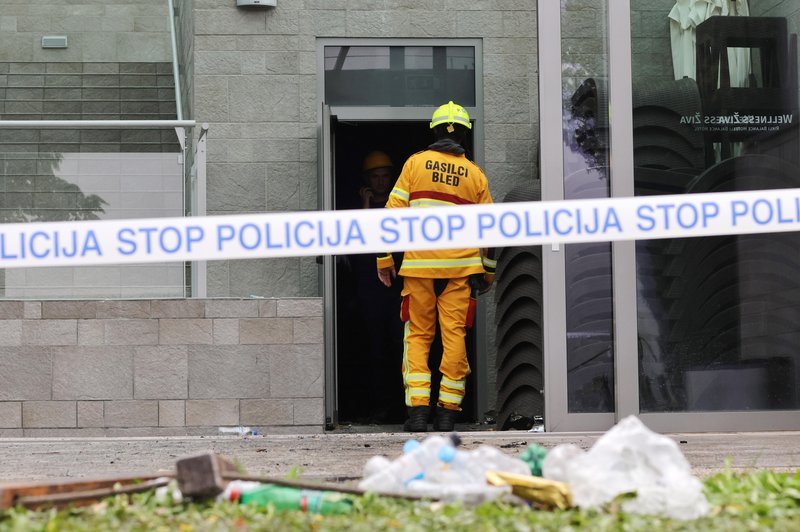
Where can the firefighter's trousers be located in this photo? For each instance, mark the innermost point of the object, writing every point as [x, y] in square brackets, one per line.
[419, 311]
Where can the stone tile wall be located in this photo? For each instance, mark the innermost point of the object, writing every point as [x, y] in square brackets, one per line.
[87, 91]
[97, 30]
[255, 83]
[160, 367]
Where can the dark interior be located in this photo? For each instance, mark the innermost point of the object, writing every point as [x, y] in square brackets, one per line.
[369, 343]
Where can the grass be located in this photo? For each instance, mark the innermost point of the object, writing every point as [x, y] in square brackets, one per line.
[760, 500]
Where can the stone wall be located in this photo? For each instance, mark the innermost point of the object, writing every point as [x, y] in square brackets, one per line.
[87, 91]
[160, 367]
[255, 81]
[256, 84]
[184, 36]
[97, 30]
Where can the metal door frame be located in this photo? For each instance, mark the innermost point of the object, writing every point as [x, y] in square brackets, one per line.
[326, 193]
[557, 417]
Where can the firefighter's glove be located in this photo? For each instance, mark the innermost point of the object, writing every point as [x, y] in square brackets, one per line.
[481, 283]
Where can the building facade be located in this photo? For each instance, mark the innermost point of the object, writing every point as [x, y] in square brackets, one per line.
[252, 109]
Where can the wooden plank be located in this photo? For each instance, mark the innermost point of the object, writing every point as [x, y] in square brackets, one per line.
[82, 498]
[11, 492]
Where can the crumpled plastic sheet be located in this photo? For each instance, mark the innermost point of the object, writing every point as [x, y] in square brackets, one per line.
[630, 458]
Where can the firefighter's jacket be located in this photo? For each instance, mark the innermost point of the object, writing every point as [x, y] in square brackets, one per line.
[433, 178]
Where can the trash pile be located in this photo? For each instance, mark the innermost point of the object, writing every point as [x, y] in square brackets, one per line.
[437, 468]
[630, 467]
[647, 471]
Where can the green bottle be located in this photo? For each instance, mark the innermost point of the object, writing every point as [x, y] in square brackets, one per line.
[288, 498]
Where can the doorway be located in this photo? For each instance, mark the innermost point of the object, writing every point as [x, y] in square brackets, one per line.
[368, 341]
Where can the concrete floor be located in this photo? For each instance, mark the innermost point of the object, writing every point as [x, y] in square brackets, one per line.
[339, 457]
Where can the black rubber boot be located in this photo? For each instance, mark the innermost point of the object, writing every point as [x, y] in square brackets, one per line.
[445, 419]
[417, 419]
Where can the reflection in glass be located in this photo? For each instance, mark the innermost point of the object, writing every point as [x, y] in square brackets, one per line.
[399, 76]
[49, 187]
[419, 58]
[590, 360]
[356, 58]
[88, 174]
[718, 317]
[33, 192]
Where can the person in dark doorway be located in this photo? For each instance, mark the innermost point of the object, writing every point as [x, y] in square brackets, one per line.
[377, 170]
[377, 304]
[443, 282]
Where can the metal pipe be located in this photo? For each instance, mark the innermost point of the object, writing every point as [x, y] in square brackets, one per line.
[200, 267]
[175, 74]
[94, 124]
[623, 254]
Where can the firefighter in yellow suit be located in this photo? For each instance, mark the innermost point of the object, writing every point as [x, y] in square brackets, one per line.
[441, 282]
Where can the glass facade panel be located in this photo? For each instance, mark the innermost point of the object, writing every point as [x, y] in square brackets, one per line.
[399, 76]
[93, 174]
[67, 186]
[715, 108]
[590, 353]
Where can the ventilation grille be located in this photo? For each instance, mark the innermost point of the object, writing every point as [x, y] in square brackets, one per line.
[54, 41]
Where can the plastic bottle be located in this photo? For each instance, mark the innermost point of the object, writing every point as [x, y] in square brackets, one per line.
[241, 431]
[451, 469]
[487, 458]
[417, 460]
[375, 465]
[288, 498]
[457, 478]
[233, 491]
[470, 467]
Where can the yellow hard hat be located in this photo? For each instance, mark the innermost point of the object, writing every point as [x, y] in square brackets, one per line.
[450, 113]
[376, 159]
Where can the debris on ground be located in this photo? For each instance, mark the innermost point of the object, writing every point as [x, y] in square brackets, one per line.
[543, 492]
[75, 492]
[534, 455]
[629, 468]
[437, 468]
[240, 431]
[324, 502]
[646, 470]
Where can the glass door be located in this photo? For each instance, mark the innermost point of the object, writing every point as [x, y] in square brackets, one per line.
[578, 293]
[692, 334]
[714, 108]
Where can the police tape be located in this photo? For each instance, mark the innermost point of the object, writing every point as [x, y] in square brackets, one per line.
[288, 234]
